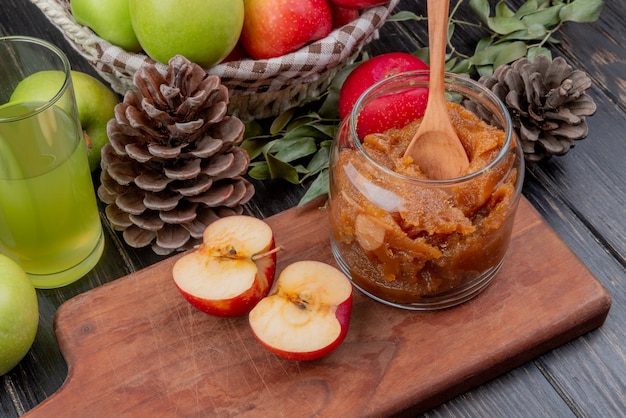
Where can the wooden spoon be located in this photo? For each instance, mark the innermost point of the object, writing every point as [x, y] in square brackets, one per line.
[436, 148]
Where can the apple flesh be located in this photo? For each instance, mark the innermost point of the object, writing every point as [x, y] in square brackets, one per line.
[19, 314]
[272, 28]
[95, 104]
[307, 315]
[233, 268]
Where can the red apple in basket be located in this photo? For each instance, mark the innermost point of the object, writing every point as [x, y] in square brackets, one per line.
[307, 314]
[231, 270]
[272, 28]
[342, 15]
[358, 4]
[392, 111]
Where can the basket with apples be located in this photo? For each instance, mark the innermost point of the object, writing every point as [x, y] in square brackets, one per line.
[286, 52]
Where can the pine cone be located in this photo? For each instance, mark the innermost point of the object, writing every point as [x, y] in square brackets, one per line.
[547, 102]
[172, 165]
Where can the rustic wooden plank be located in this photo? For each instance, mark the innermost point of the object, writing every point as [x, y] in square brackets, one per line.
[598, 48]
[583, 196]
[137, 341]
[507, 397]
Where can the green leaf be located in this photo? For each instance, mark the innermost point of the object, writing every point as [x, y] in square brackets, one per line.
[252, 129]
[505, 25]
[281, 121]
[450, 33]
[294, 150]
[254, 146]
[488, 55]
[484, 70]
[462, 67]
[450, 64]
[259, 170]
[422, 54]
[328, 129]
[481, 9]
[319, 187]
[581, 11]
[301, 170]
[482, 44]
[529, 7]
[318, 162]
[534, 51]
[514, 51]
[503, 10]
[405, 15]
[546, 17]
[534, 31]
[280, 170]
[303, 131]
[303, 120]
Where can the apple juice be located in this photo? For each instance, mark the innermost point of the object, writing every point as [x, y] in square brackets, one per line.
[49, 220]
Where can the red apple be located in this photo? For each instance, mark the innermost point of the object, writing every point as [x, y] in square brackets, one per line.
[237, 54]
[392, 111]
[371, 71]
[233, 268]
[272, 28]
[358, 4]
[342, 15]
[307, 314]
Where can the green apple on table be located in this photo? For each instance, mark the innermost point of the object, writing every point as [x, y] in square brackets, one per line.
[204, 31]
[109, 19]
[95, 103]
[19, 314]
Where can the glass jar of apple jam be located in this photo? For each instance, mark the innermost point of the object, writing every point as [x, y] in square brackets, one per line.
[410, 241]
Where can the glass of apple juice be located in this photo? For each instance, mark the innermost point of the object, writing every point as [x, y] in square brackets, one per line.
[49, 221]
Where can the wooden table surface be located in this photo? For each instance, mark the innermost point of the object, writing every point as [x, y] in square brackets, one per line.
[581, 195]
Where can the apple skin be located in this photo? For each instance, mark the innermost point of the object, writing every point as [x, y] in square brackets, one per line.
[307, 315]
[204, 31]
[109, 19]
[273, 28]
[377, 68]
[95, 104]
[214, 269]
[391, 111]
[19, 314]
[358, 4]
[342, 15]
[237, 54]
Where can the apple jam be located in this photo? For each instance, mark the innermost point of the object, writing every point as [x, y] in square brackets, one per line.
[417, 243]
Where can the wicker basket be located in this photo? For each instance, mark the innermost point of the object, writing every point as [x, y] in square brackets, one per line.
[258, 88]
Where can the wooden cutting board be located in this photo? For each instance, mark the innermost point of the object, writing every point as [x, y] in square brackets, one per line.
[134, 347]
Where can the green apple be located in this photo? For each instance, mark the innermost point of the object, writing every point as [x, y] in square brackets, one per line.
[109, 19]
[19, 314]
[203, 31]
[95, 103]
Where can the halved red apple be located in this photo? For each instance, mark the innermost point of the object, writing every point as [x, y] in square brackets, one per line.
[308, 313]
[233, 268]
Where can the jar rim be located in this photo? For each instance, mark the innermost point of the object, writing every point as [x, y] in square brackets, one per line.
[454, 78]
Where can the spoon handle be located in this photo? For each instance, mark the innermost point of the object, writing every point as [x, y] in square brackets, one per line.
[437, 34]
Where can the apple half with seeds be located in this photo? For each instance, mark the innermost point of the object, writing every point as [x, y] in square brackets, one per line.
[307, 314]
[233, 268]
